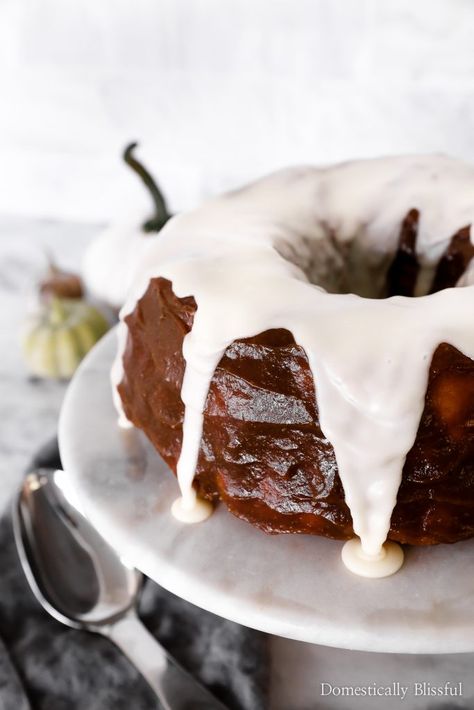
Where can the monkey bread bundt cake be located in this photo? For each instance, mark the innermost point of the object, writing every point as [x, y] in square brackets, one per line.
[301, 349]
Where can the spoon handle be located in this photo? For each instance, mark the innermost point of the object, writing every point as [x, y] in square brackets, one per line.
[175, 688]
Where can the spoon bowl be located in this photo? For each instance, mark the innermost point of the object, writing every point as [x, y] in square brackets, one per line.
[72, 570]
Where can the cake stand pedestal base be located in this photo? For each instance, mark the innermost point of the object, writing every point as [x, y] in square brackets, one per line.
[299, 671]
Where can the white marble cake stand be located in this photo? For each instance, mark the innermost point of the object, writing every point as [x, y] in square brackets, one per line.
[289, 585]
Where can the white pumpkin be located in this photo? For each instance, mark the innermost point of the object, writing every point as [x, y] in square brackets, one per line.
[110, 260]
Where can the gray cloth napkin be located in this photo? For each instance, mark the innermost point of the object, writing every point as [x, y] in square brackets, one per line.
[46, 666]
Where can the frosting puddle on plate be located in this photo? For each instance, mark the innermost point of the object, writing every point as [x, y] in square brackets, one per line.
[276, 254]
[388, 560]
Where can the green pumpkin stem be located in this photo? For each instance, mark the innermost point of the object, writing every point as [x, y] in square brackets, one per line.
[161, 215]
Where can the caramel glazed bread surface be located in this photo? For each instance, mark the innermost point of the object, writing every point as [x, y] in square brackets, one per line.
[262, 450]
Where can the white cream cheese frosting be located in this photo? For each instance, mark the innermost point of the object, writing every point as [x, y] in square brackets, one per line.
[307, 249]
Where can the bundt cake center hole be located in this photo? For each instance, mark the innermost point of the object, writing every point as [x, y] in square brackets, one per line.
[348, 267]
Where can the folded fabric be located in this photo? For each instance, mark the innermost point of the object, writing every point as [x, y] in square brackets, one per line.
[47, 666]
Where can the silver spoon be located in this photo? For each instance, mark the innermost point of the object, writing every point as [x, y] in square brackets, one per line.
[82, 582]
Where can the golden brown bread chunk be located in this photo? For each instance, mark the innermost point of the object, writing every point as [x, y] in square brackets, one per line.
[262, 451]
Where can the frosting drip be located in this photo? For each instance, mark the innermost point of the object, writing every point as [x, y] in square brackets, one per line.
[273, 254]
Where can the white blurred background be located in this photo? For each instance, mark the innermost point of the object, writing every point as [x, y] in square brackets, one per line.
[218, 92]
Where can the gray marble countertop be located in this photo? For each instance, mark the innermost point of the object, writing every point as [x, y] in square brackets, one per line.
[29, 412]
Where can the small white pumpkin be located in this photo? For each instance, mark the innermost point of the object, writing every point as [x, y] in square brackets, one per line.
[59, 334]
[110, 260]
